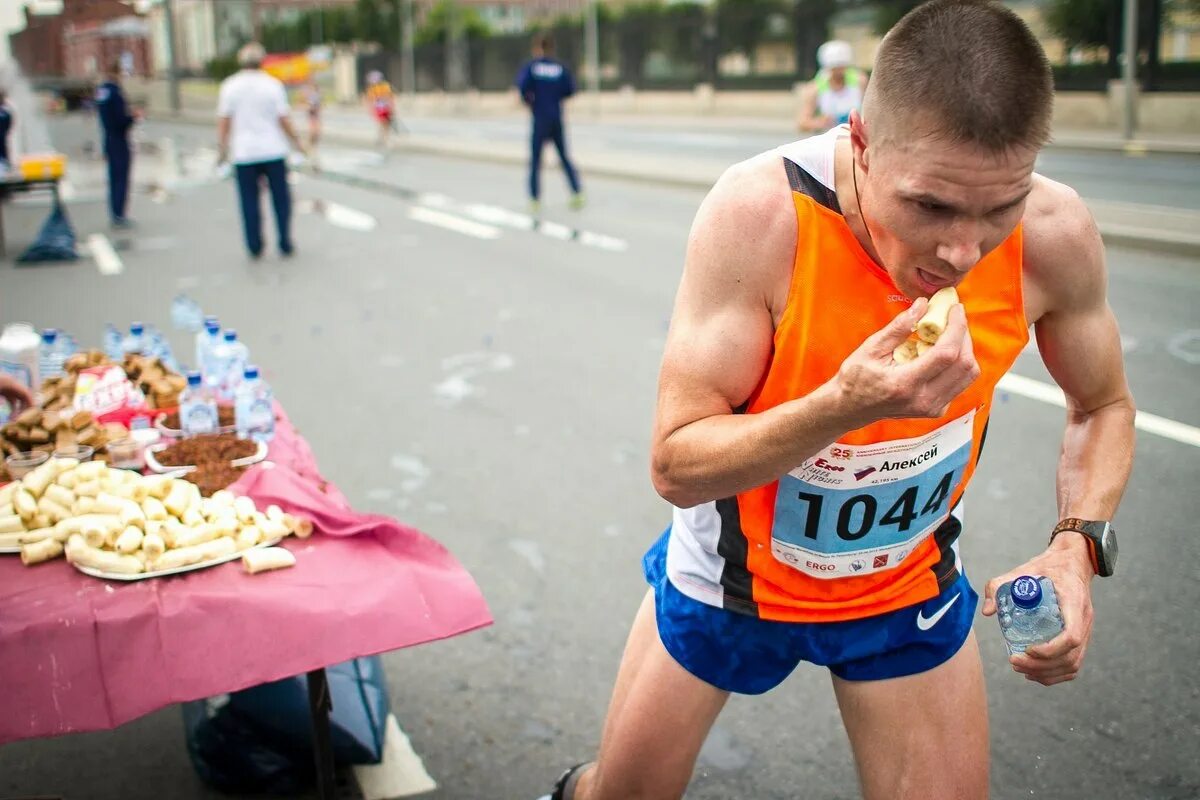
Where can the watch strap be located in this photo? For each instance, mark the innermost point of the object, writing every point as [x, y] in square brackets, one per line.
[1080, 526]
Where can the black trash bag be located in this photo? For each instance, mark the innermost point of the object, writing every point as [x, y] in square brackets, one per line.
[55, 241]
[260, 739]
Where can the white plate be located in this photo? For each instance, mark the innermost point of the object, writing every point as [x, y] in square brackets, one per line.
[10, 551]
[141, 576]
[152, 462]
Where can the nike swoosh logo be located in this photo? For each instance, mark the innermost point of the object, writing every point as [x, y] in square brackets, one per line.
[925, 623]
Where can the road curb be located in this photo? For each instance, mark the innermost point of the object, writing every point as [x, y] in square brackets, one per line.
[1114, 234]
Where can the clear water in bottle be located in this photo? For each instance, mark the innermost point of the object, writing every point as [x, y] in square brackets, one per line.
[197, 408]
[254, 411]
[206, 339]
[136, 341]
[229, 359]
[113, 342]
[1028, 611]
[50, 355]
[186, 314]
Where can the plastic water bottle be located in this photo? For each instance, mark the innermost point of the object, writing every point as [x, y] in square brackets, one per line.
[197, 409]
[186, 314]
[113, 342]
[158, 347]
[19, 345]
[136, 341]
[254, 412]
[229, 364]
[1028, 612]
[206, 338]
[50, 355]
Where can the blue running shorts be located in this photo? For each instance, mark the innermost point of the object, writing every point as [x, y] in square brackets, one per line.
[748, 655]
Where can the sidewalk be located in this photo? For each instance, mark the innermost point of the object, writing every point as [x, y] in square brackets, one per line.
[1160, 228]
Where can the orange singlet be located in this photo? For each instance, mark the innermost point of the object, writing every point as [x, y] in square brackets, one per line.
[866, 525]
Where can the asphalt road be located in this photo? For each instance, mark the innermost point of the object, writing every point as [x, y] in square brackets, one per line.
[494, 386]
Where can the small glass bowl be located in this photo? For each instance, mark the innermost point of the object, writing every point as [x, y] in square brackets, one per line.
[79, 452]
[21, 464]
[125, 454]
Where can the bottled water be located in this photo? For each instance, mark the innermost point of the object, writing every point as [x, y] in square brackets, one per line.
[136, 341]
[229, 359]
[1028, 612]
[197, 409]
[186, 314]
[206, 338]
[50, 355]
[113, 343]
[254, 412]
[158, 347]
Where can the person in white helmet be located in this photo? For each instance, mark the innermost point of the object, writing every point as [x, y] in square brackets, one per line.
[836, 90]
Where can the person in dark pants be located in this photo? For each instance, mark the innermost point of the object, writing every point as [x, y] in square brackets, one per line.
[544, 82]
[6, 122]
[115, 124]
[254, 131]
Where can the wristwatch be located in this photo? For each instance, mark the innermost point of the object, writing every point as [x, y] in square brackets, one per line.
[1101, 538]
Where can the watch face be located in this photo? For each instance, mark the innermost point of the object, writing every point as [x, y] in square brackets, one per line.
[1108, 545]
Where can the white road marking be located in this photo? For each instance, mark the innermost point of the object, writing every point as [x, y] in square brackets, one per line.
[401, 773]
[106, 258]
[453, 223]
[1150, 423]
[349, 218]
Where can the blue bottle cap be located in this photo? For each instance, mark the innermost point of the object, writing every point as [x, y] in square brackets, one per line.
[251, 373]
[49, 335]
[194, 378]
[137, 328]
[1027, 591]
[230, 335]
[211, 325]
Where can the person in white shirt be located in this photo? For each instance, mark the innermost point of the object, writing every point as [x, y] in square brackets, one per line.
[253, 132]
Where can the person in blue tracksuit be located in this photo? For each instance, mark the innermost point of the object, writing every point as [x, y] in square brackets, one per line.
[115, 125]
[544, 83]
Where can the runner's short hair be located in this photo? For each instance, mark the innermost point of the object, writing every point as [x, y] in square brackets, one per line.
[967, 71]
[544, 42]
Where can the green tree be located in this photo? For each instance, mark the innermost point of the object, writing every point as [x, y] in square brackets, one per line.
[437, 23]
[742, 24]
[889, 12]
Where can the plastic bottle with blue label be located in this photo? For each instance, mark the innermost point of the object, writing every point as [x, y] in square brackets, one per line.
[1028, 611]
[206, 338]
[254, 411]
[186, 314]
[136, 341]
[197, 408]
[50, 355]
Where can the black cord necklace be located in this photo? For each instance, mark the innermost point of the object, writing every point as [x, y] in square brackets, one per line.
[858, 200]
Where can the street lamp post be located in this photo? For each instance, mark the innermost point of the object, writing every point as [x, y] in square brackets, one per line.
[1129, 70]
[410, 61]
[172, 63]
[592, 47]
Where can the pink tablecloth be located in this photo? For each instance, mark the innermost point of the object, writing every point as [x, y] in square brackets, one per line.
[81, 654]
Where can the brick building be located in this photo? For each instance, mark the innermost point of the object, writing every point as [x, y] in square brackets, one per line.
[40, 47]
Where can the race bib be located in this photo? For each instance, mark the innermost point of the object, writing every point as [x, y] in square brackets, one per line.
[858, 509]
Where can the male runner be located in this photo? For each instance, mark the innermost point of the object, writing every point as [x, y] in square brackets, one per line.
[816, 483]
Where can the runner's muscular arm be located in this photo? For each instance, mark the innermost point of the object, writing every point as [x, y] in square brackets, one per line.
[1081, 346]
[1078, 337]
[742, 242]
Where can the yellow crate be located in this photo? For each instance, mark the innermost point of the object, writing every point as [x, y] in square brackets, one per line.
[41, 166]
